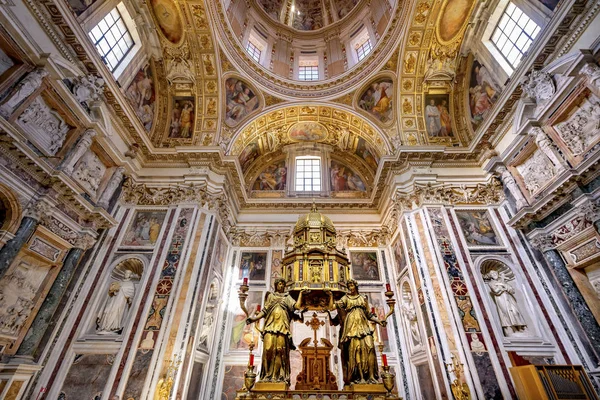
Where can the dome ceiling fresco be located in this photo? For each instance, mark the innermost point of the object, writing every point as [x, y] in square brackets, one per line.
[307, 15]
[203, 93]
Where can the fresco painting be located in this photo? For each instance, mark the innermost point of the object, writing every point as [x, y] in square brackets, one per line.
[437, 116]
[169, 21]
[273, 177]
[182, 118]
[483, 93]
[364, 266]
[253, 265]
[242, 334]
[240, 101]
[477, 228]
[342, 178]
[364, 151]
[141, 95]
[308, 132]
[377, 99]
[145, 229]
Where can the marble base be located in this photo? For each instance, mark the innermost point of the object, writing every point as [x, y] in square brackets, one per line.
[353, 392]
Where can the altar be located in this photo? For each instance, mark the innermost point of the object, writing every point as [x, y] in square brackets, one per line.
[317, 279]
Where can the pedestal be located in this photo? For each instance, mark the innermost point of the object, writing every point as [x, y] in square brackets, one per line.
[270, 387]
[366, 388]
[318, 394]
[14, 379]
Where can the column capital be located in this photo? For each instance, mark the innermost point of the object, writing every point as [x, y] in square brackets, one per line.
[542, 242]
[84, 241]
[38, 210]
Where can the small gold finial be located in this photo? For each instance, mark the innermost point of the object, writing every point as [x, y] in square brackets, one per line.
[314, 207]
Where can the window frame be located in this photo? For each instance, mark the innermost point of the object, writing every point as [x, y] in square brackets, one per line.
[253, 51]
[363, 48]
[315, 175]
[310, 73]
[520, 25]
[105, 35]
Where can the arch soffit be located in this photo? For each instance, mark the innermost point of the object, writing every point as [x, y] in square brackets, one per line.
[13, 209]
[334, 118]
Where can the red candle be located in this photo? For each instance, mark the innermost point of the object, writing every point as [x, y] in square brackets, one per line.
[388, 288]
[246, 281]
[372, 310]
[384, 360]
[258, 308]
[251, 363]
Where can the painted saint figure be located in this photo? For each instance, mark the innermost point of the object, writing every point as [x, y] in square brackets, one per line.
[120, 294]
[432, 115]
[356, 341]
[511, 319]
[278, 312]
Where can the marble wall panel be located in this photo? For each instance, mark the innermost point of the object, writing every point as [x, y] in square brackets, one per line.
[87, 376]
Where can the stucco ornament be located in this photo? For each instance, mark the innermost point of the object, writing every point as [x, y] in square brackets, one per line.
[538, 85]
[46, 127]
[88, 88]
[582, 129]
[511, 184]
[78, 151]
[111, 187]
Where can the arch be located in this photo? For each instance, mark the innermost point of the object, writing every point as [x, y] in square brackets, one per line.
[133, 263]
[10, 210]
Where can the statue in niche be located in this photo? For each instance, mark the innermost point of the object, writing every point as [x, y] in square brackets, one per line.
[409, 312]
[503, 293]
[119, 297]
[279, 310]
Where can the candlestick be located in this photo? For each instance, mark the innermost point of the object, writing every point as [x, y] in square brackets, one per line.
[388, 287]
[245, 281]
[251, 363]
[384, 360]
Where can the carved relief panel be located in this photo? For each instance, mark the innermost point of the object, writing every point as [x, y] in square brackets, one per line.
[533, 170]
[575, 127]
[24, 287]
[46, 127]
[89, 172]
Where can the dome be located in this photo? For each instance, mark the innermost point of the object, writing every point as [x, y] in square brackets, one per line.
[314, 219]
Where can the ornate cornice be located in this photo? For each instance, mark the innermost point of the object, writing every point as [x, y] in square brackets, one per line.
[482, 194]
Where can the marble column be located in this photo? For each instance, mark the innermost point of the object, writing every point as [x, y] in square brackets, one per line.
[42, 319]
[29, 223]
[576, 300]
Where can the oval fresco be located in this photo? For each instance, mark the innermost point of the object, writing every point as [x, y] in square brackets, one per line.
[453, 17]
[308, 132]
[376, 99]
[169, 21]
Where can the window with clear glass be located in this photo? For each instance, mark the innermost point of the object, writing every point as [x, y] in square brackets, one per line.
[112, 39]
[514, 34]
[308, 73]
[308, 174]
[363, 49]
[253, 50]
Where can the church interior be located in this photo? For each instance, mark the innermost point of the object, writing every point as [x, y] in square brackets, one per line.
[299, 199]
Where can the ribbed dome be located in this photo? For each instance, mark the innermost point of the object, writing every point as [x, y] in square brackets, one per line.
[314, 219]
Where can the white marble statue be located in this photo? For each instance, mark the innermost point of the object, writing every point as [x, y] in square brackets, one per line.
[111, 187]
[509, 181]
[511, 319]
[547, 147]
[592, 72]
[88, 88]
[119, 297]
[408, 310]
[477, 345]
[24, 89]
[78, 151]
